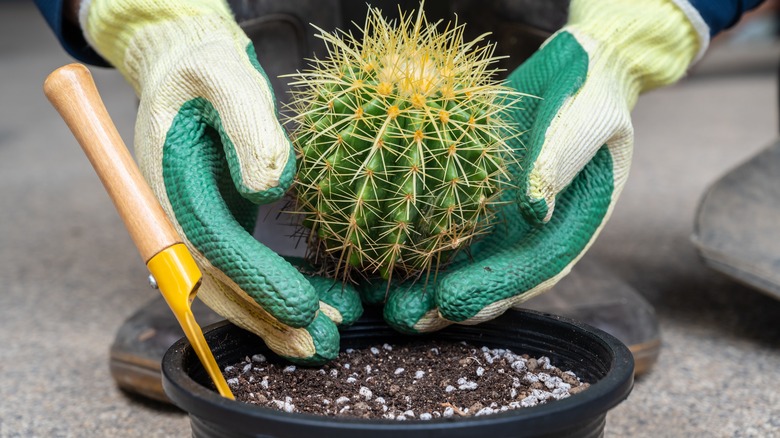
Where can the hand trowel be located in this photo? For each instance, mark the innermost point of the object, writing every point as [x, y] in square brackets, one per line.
[73, 93]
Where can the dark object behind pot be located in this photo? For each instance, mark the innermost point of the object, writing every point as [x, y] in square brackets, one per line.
[736, 224]
[595, 356]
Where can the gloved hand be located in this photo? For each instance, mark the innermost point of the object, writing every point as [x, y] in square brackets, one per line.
[208, 141]
[574, 154]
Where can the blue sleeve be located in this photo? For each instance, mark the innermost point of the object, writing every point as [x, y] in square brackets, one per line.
[70, 36]
[722, 14]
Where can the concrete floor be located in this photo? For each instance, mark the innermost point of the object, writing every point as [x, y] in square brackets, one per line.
[71, 274]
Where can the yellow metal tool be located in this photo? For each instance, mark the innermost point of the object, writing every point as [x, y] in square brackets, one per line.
[73, 93]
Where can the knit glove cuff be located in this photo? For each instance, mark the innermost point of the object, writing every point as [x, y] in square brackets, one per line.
[652, 42]
[139, 37]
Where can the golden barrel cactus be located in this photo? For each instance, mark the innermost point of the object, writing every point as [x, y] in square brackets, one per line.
[401, 146]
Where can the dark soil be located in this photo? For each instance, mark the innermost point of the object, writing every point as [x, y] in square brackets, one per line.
[419, 381]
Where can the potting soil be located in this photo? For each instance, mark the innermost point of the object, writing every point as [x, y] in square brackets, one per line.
[417, 381]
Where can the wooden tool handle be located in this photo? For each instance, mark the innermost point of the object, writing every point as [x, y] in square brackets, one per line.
[73, 93]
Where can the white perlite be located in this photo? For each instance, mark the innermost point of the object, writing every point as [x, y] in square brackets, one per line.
[365, 392]
[387, 347]
[519, 365]
[285, 405]
[465, 384]
[448, 412]
[398, 371]
[419, 374]
[342, 400]
[233, 381]
[480, 371]
[484, 411]
[258, 358]
[541, 395]
[529, 401]
[425, 416]
[555, 382]
[289, 369]
[374, 350]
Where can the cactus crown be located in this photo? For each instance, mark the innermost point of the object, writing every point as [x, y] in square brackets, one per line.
[401, 145]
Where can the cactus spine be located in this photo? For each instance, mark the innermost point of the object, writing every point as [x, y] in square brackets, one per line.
[401, 146]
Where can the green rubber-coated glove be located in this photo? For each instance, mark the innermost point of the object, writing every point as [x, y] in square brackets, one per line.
[574, 155]
[208, 141]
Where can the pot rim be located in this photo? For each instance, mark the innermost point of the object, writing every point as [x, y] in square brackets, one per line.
[600, 397]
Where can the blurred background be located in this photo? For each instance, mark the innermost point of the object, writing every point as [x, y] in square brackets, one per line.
[70, 274]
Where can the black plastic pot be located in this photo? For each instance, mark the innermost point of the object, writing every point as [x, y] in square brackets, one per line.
[595, 356]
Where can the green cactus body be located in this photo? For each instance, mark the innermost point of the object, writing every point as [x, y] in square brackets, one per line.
[401, 147]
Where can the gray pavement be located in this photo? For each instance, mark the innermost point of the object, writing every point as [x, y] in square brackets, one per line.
[70, 273]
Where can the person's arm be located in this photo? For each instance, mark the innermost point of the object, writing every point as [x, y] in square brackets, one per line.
[63, 18]
[720, 15]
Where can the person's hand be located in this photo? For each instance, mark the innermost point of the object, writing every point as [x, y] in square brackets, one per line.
[574, 152]
[209, 143]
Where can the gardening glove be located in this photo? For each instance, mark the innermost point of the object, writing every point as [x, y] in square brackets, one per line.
[573, 156]
[208, 141]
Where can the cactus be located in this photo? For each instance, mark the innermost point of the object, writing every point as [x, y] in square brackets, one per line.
[401, 147]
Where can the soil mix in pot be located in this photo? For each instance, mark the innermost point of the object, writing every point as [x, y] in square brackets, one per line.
[413, 381]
